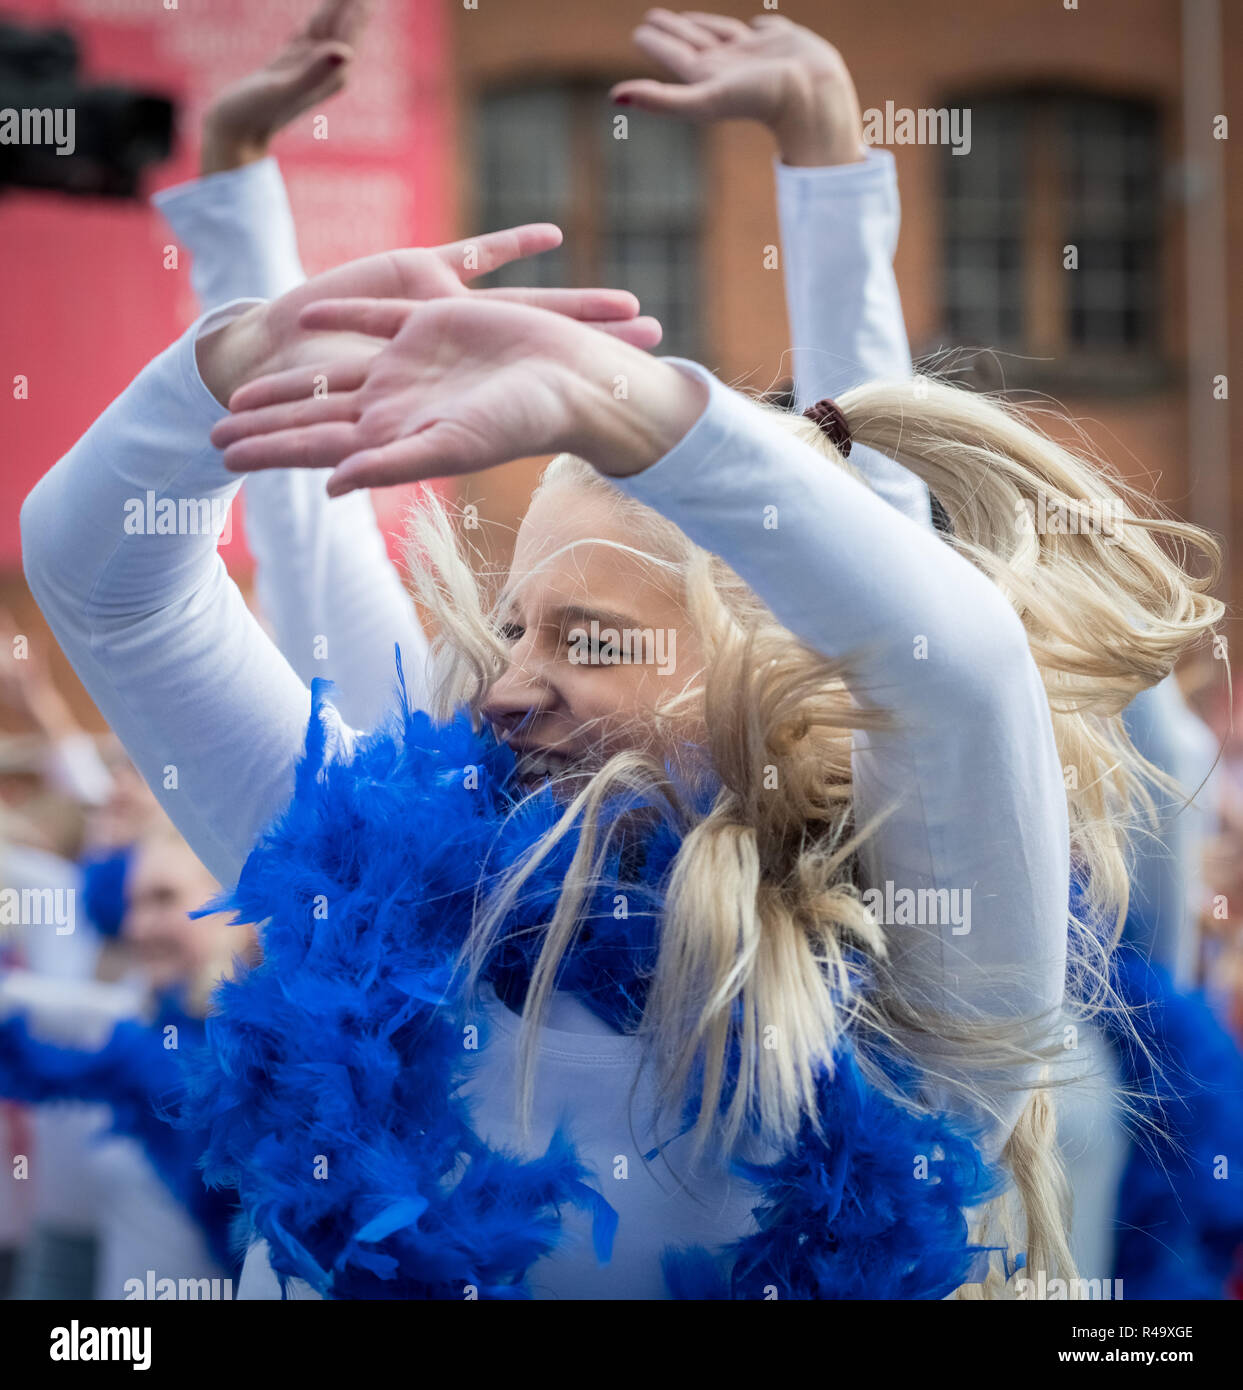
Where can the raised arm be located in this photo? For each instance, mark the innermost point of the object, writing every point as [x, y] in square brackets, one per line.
[970, 775]
[837, 201]
[336, 605]
[208, 709]
[119, 545]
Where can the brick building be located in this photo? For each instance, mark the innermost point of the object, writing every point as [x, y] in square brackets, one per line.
[1086, 132]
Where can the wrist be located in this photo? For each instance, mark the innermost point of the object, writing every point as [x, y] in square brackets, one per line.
[227, 356]
[818, 125]
[638, 414]
[224, 149]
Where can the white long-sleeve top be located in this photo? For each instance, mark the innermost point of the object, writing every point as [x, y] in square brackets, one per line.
[215, 718]
[839, 232]
[336, 605]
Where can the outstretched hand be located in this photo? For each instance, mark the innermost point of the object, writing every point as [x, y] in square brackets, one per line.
[771, 70]
[461, 385]
[395, 369]
[272, 338]
[311, 67]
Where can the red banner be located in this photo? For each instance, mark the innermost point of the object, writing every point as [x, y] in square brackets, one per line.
[84, 293]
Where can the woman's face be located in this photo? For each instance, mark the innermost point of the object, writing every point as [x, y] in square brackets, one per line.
[163, 885]
[597, 639]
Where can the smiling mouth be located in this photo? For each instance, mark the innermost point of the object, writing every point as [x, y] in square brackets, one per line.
[536, 765]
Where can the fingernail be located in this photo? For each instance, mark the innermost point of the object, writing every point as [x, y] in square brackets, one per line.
[335, 60]
[622, 101]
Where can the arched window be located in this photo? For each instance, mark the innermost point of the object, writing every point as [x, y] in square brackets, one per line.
[629, 207]
[1052, 238]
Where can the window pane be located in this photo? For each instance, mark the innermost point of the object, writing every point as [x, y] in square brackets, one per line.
[523, 166]
[1112, 162]
[984, 207]
[631, 207]
[650, 230]
[1048, 170]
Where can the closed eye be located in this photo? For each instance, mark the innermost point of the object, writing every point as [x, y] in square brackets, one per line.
[510, 632]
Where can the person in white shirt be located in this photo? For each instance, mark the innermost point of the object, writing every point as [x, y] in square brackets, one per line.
[839, 214]
[973, 758]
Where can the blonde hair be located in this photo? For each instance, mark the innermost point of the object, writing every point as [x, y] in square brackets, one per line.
[763, 911]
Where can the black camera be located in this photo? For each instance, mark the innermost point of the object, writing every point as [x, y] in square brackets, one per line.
[56, 133]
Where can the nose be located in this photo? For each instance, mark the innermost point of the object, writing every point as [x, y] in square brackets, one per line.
[139, 923]
[521, 692]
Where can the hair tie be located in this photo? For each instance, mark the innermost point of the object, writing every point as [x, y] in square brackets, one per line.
[827, 414]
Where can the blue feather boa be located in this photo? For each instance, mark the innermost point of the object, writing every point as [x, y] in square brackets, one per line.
[1180, 1209]
[139, 1077]
[346, 1042]
[1179, 1214]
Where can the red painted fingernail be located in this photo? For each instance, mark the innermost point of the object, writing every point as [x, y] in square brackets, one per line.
[335, 60]
[622, 101]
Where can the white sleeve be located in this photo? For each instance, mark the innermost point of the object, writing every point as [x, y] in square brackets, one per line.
[1167, 877]
[76, 768]
[323, 578]
[239, 231]
[119, 548]
[972, 765]
[839, 231]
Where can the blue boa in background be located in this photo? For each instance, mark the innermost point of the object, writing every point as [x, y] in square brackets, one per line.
[139, 1078]
[1179, 1216]
[345, 1049]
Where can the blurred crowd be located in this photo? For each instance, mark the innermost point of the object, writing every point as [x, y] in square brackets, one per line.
[96, 888]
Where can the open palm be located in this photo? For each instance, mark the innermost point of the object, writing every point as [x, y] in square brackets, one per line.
[725, 68]
[310, 68]
[274, 337]
[462, 384]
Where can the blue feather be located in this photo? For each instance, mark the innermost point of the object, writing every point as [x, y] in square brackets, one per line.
[140, 1079]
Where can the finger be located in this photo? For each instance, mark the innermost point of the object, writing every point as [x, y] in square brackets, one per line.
[299, 383]
[441, 451]
[482, 254]
[291, 415]
[588, 305]
[681, 26]
[723, 26]
[313, 446]
[403, 274]
[671, 52]
[771, 21]
[698, 102]
[339, 19]
[644, 332]
[376, 318]
[321, 73]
